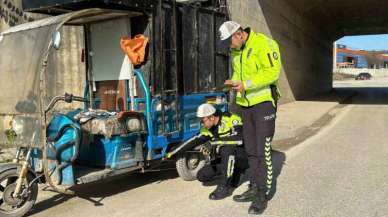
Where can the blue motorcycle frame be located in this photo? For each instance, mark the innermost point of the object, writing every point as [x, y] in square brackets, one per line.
[59, 154]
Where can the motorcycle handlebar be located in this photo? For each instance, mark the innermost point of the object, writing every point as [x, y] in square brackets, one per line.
[69, 98]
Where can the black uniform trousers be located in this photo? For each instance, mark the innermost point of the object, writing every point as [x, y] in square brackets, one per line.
[258, 131]
[230, 165]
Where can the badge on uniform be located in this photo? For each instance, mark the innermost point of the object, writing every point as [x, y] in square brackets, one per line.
[275, 55]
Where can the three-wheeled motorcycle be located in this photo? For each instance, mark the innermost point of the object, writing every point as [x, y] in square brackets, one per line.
[128, 119]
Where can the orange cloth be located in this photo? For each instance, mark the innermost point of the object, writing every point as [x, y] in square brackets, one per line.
[134, 48]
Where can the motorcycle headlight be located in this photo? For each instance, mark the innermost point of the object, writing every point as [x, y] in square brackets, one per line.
[133, 124]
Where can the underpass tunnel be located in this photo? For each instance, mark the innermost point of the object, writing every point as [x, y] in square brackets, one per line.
[360, 62]
[338, 19]
[306, 31]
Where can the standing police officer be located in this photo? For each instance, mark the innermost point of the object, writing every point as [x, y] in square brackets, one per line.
[256, 68]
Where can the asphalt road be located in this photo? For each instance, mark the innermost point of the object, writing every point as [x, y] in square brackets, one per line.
[341, 171]
[374, 82]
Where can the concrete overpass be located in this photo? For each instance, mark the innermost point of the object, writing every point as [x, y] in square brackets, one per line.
[305, 30]
[341, 18]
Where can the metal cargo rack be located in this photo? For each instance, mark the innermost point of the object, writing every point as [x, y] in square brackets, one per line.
[185, 55]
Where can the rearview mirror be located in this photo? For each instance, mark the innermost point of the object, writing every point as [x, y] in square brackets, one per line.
[56, 37]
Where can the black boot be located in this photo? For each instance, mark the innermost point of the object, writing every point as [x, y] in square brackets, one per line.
[248, 195]
[221, 192]
[259, 204]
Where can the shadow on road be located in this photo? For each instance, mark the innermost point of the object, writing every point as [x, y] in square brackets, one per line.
[353, 95]
[98, 191]
[278, 160]
[107, 188]
[365, 95]
[51, 202]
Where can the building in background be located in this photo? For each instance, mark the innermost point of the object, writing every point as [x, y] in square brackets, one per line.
[351, 58]
[348, 58]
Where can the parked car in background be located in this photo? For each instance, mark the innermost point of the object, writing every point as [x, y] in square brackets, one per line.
[364, 76]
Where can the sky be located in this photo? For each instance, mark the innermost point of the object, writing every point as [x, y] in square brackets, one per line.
[365, 42]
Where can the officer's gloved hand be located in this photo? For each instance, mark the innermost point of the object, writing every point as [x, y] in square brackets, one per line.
[206, 149]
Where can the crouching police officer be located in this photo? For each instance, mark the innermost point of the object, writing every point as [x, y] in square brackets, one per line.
[221, 139]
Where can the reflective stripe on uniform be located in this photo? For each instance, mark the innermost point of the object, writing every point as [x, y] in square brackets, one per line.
[220, 142]
[268, 162]
[252, 94]
[228, 135]
[231, 161]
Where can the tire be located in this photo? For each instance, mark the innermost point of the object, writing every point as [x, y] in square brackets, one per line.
[186, 167]
[25, 204]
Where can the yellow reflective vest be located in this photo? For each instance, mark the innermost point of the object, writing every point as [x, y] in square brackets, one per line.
[227, 132]
[257, 65]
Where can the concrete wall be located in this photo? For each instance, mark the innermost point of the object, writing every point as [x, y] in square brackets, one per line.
[68, 59]
[306, 53]
[12, 14]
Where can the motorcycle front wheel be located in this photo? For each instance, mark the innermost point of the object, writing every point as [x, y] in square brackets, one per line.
[11, 206]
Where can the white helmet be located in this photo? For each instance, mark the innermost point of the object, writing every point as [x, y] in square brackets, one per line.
[205, 110]
[227, 29]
